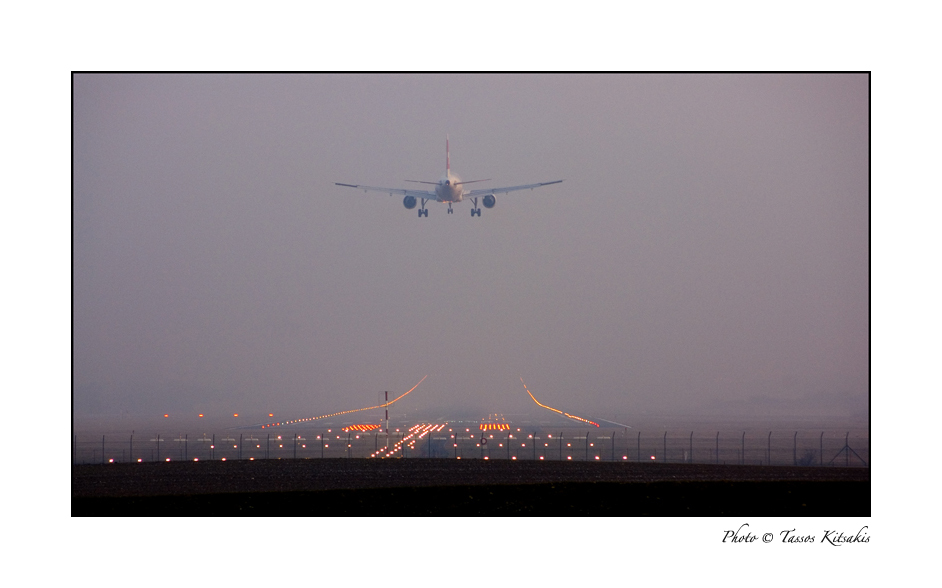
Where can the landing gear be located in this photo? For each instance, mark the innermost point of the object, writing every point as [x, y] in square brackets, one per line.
[450, 211]
[475, 210]
[423, 212]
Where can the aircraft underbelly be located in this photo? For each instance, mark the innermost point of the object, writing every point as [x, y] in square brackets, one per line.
[448, 193]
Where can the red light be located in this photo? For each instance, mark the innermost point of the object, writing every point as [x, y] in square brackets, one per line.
[166, 416]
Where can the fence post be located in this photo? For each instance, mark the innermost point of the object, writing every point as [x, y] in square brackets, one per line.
[795, 450]
[846, 450]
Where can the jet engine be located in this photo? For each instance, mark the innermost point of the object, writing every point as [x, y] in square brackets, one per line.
[489, 201]
[409, 202]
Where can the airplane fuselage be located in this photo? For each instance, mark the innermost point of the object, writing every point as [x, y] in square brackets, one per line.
[449, 188]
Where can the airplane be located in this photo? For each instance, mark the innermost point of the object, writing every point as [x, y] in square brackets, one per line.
[448, 189]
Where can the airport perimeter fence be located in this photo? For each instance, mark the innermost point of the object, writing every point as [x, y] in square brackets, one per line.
[796, 448]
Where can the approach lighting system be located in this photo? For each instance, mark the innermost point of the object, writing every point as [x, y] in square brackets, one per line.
[360, 428]
[494, 427]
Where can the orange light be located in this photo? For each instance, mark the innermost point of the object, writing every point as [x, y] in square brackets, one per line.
[166, 416]
[201, 415]
[236, 414]
[269, 414]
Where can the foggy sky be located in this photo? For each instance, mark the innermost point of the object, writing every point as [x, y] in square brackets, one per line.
[708, 250]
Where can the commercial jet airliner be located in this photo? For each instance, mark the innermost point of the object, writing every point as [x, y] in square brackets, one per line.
[449, 189]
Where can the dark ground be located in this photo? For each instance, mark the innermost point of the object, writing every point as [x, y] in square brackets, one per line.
[444, 487]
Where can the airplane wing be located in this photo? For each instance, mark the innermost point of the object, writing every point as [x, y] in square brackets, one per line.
[482, 192]
[427, 194]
